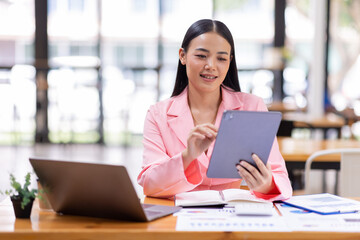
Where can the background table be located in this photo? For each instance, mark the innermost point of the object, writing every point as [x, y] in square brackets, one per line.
[284, 107]
[296, 151]
[324, 123]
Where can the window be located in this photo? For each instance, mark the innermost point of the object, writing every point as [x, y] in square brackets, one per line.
[17, 76]
[344, 61]
[252, 26]
[298, 51]
[74, 99]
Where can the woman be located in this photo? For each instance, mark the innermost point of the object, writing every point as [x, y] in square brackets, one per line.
[179, 132]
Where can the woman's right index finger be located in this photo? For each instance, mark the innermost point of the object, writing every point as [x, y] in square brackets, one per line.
[211, 126]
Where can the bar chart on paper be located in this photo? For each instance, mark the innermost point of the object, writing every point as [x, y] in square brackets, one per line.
[255, 224]
[226, 220]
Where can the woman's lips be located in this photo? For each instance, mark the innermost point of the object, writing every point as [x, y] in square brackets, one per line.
[208, 77]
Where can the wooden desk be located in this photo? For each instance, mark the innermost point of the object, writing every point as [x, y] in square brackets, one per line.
[284, 107]
[305, 120]
[298, 150]
[48, 225]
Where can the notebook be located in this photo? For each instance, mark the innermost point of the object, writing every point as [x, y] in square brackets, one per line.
[95, 190]
[242, 133]
[231, 196]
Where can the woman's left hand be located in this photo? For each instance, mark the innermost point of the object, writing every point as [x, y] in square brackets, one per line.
[257, 180]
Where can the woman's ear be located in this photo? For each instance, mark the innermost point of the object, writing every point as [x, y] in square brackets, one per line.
[182, 56]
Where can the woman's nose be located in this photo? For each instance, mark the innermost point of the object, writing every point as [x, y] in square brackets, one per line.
[210, 64]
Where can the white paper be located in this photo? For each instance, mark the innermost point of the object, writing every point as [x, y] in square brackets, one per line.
[205, 212]
[325, 202]
[302, 220]
[230, 223]
[199, 219]
[240, 195]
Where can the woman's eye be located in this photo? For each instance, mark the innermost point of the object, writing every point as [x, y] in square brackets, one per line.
[222, 59]
[201, 56]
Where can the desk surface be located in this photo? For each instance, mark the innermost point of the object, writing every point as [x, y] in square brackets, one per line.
[284, 107]
[300, 149]
[301, 119]
[48, 225]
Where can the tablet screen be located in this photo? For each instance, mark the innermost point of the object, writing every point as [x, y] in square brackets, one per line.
[242, 133]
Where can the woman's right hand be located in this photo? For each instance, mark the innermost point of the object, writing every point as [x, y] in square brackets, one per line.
[199, 140]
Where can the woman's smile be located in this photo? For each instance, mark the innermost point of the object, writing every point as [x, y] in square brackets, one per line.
[207, 62]
[208, 77]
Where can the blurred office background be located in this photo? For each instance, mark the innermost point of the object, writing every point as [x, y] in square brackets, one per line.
[86, 71]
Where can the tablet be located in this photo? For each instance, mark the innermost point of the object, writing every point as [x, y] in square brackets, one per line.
[242, 133]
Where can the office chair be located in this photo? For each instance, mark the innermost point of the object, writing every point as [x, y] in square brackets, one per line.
[285, 128]
[349, 180]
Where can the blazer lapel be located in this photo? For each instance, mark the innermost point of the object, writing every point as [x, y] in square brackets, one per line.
[230, 101]
[180, 120]
[179, 117]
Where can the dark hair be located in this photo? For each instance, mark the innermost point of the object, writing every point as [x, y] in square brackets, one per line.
[196, 29]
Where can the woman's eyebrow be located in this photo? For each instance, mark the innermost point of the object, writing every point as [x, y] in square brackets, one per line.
[207, 51]
[202, 49]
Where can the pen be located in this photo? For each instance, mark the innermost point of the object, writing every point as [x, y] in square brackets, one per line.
[353, 211]
[277, 210]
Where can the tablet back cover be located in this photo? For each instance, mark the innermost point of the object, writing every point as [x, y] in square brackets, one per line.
[242, 133]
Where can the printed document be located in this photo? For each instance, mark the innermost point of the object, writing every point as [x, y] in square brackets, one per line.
[302, 220]
[202, 219]
[324, 203]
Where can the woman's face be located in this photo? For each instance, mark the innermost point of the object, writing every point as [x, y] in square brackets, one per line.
[207, 61]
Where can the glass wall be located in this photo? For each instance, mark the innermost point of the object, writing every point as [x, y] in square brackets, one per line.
[252, 26]
[17, 75]
[344, 61]
[130, 59]
[110, 60]
[73, 93]
[298, 50]
[172, 33]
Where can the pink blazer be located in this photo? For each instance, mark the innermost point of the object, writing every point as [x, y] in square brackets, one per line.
[166, 130]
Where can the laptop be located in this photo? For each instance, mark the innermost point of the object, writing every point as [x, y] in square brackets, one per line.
[94, 190]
